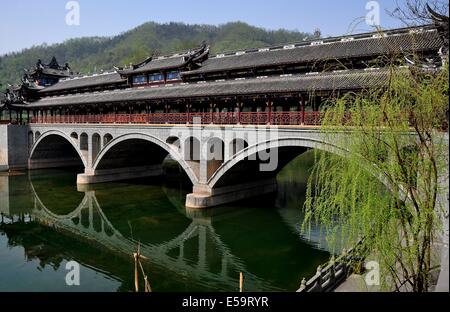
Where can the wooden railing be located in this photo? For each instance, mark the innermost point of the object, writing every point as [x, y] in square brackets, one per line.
[336, 271]
[257, 118]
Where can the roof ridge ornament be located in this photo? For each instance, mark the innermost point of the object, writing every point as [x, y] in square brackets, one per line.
[442, 24]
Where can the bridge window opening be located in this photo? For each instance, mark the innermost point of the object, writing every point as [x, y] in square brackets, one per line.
[237, 145]
[215, 155]
[37, 136]
[84, 144]
[74, 135]
[174, 141]
[192, 149]
[96, 145]
[107, 138]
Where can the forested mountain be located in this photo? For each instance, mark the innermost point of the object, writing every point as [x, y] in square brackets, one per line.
[93, 54]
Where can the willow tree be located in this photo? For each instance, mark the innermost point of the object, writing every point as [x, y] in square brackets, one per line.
[384, 187]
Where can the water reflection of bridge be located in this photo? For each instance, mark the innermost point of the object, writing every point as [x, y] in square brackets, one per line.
[89, 221]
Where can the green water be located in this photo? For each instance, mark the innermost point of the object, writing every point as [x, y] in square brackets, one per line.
[100, 227]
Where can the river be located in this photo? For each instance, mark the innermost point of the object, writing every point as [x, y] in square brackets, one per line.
[101, 226]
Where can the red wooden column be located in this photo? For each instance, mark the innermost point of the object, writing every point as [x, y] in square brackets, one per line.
[211, 109]
[129, 111]
[188, 111]
[269, 107]
[147, 111]
[239, 109]
[303, 110]
[167, 110]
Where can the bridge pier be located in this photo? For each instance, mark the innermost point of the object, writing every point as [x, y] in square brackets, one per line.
[120, 174]
[205, 197]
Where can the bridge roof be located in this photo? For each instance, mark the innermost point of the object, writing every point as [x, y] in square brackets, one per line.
[85, 81]
[362, 45]
[167, 63]
[162, 63]
[338, 80]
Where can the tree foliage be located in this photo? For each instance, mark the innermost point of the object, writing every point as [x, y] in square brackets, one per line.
[384, 187]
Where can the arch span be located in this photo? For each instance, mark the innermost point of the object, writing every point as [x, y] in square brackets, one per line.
[55, 149]
[275, 153]
[123, 149]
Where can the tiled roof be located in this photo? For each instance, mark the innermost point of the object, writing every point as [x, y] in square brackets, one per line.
[346, 47]
[342, 80]
[87, 81]
[157, 64]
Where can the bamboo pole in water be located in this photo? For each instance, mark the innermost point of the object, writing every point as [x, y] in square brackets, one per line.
[241, 282]
[137, 260]
[136, 273]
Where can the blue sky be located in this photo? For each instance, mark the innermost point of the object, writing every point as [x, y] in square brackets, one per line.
[25, 23]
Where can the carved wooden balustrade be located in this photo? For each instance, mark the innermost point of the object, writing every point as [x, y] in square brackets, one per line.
[229, 118]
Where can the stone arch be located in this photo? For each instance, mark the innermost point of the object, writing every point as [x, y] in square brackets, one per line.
[286, 148]
[62, 140]
[162, 147]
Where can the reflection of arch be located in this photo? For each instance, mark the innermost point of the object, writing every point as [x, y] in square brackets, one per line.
[74, 214]
[143, 138]
[169, 255]
[288, 143]
[62, 138]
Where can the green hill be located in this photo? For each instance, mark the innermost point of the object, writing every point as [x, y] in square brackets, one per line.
[87, 55]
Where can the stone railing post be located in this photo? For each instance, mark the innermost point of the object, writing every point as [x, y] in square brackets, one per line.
[332, 273]
[302, 286]
[319, 275]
